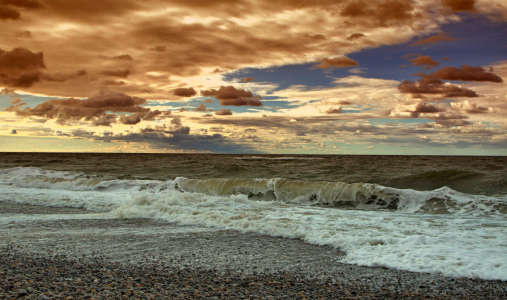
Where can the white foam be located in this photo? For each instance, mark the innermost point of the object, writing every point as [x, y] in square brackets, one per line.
[464, 246]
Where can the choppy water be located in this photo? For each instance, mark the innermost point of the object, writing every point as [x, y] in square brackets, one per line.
[429, 214]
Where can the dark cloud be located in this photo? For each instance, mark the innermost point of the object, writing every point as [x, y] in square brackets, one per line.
[355, 36]
[215, 143]
[414, 111]
[104, 120]
[229, 95]
[185, 92]
[209, 101]
[28, 4]
[152, 114]
[95, 106]
[334, 111]
[201, 107]
[443, 37]
[247, 79]
[434, 87]
[384, 13]
[338, 62]
[425, 60]
[459, 5]
[122, 73]
[451, 122]
[432, 84]
[7, 13]
[58, 77]
[466, 73]
[318, 37]
[159, 48]
[113, 82]
[20, 67]
[125, 57]
[223, 112]
[132, 119]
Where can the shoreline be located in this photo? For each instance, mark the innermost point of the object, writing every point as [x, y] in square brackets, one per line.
[68, 255]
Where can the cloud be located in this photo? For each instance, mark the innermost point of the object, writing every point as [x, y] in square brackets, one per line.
[201, 107]
[469, 107]
[185, 92]
[385, 13]
[436, 88]
[125, 57]
[247, 79]
[338, 62]
[223, 112]
[104, 120]
[20, 67]
[466, 73]
[432, 84]
[334, 110]
[443, 37]
[425, 60]
[459, 5]
[132, 119]
[122, 73]
[158, 48]
[7, 13]
[95, 106]
[355, 36]
[416, 110]
[229, 95]
[7, 91]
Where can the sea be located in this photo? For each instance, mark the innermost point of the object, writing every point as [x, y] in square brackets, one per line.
[433, 214]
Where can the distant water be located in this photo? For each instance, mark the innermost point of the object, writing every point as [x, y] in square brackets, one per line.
[435, 214]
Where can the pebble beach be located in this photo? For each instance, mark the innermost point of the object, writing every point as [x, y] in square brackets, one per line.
[94, 256]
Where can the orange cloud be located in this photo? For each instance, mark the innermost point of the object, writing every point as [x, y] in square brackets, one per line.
[247, 79]
[229, 95]
[8, 12]
[466, 73]
[435, 87]
[338, 62]
[384, 12]
[95, 106]
[201, 107]
[443, 37]
[185, 92]
[424, 61]
[355, 36]
[459, 5]
[334, 110]
[223, 112]
[123, 73]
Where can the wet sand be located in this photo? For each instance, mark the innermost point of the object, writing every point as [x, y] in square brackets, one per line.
[62, 253]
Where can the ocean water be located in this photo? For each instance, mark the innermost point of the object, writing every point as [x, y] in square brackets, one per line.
[445, 215]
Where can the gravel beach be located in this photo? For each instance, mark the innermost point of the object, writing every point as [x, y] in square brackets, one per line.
[62, 253]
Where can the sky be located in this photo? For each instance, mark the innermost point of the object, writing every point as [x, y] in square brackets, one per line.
[403, 77]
